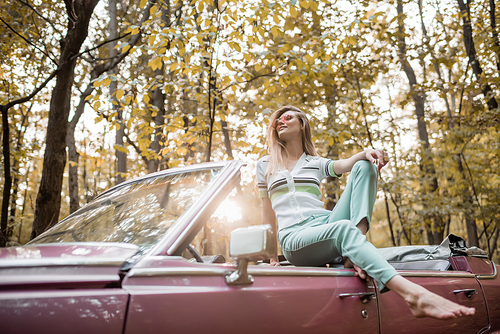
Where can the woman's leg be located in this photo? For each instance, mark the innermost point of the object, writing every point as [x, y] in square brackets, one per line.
[356, 202]
[318, 242]
[358, 197]
[321, 240]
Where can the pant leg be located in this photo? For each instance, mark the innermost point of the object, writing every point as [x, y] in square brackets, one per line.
[318, 242]
[358, 198]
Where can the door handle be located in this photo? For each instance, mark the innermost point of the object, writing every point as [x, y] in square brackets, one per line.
[364, 296]
[468, 292]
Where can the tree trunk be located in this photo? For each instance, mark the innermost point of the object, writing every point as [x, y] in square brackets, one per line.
[435, 235]
[13, 202]
[73, 157]
[159, 102]
[15, 168]
[332, 183]
[494, 243]
[227, 139]
[48, 202]
[470, 223]
[210, 135]
[473, 60]
[493, 25]
[121, 156]
[7, 176]
[159, 119]
[25, 196]
[388, 213]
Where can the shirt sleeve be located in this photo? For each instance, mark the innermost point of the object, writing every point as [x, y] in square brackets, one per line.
[262, 165]
[326, 167]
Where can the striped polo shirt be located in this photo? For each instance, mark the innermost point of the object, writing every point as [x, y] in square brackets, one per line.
[296, 195]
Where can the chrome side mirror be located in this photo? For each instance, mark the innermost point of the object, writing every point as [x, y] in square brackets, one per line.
[250, 244]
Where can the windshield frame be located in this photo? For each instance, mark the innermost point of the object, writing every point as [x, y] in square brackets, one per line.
[187, 226]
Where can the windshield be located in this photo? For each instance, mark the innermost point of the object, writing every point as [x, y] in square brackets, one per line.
[139, 213]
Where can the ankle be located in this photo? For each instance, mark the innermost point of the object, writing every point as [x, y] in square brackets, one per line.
[406, 289]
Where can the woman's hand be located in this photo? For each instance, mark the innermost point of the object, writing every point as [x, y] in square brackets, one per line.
[274, 261]
[357, 270]
[377, 157]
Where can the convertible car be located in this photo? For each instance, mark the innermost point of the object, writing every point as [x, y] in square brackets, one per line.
[157, 255]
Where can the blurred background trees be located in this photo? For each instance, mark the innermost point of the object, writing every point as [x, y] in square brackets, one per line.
[164, 83]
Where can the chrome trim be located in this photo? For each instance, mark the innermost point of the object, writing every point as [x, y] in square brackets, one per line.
[364, 297]
[240, 276]
[460, 274]
[299, 272]
[468, 292]
[492, 276]
[357, 294]
[59, 262]
[149, 272]
[217, 271]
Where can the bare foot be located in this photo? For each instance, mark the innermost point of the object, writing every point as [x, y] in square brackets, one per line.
[424, 303]
[427, 304]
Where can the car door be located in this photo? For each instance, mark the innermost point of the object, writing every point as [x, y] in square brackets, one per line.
[458, 286]
[171, 294]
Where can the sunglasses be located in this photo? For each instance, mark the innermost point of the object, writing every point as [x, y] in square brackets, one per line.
[283, 119]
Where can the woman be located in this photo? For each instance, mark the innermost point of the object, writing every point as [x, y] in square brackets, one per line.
[289, 181]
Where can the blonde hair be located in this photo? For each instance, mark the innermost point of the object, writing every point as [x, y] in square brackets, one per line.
[277, 147]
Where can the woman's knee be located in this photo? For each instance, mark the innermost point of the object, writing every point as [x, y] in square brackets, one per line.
[365, 167]
[345, 225]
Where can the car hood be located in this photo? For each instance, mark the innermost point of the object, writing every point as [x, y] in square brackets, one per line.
[65, 265]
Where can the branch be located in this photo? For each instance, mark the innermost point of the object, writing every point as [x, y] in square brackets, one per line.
[133, 41]
[471, 179]
[463, 89]
[360, 95]
[270, 74]
[43, 17]
[41, 41]
[401, 218]
[103, 43]
[27, 41]
[54, 73]
[29, 97]
[137, 149]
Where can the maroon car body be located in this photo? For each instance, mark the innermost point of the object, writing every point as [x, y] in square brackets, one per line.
[115, 267]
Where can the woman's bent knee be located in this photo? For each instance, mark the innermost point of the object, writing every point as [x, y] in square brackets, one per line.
[345, 226]
[365, 167]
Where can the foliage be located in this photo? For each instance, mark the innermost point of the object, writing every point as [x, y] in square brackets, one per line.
[225, 65]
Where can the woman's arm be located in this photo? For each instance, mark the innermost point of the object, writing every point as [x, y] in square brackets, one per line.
[345, 165]
[269, 217]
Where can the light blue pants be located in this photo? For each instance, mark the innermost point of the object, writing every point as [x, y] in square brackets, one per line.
[322, 238]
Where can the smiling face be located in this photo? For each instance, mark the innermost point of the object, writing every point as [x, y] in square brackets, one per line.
[288, 126]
